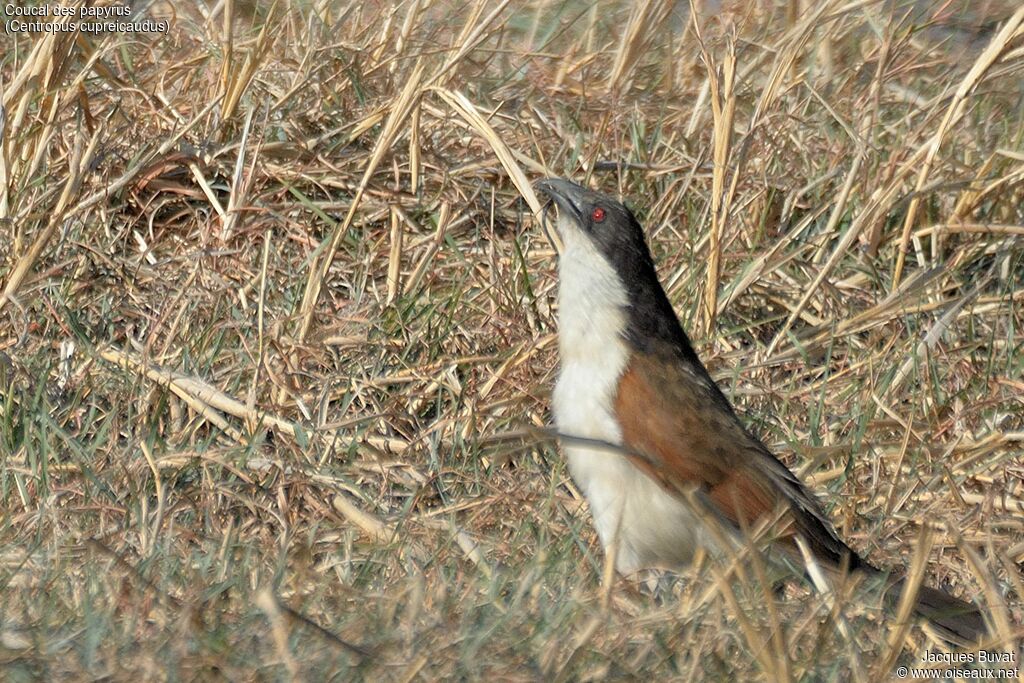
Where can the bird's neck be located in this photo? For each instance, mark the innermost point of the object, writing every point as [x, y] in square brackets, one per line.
[593, 302]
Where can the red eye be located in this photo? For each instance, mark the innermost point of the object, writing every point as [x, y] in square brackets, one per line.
[597, 214]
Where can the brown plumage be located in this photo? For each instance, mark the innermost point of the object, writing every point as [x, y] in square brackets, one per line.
[677, 429]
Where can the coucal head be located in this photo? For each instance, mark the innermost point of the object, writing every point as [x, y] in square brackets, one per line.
[605, 247]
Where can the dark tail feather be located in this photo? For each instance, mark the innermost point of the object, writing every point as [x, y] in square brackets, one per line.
[958, 622]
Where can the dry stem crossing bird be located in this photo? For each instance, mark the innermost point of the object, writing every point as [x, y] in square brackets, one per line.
[630, 379]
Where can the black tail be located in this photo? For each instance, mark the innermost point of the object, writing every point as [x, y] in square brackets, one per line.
[958, 622]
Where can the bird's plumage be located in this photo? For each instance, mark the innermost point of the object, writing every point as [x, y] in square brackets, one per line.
[629, 377]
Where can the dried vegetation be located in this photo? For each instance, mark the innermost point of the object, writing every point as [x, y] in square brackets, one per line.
[277, 321]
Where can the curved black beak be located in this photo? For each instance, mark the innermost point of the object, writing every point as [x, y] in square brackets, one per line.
[568, 196]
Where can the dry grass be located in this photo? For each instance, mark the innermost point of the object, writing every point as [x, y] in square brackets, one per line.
[277, 321]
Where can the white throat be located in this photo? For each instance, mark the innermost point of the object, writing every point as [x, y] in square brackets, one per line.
[591, 307]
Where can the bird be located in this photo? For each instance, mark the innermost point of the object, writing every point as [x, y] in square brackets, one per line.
[650, 438]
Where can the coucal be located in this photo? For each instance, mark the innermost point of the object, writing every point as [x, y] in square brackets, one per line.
[646, 430]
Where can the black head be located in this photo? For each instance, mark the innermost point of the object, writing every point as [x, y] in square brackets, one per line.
[616, 235]
[606, 223]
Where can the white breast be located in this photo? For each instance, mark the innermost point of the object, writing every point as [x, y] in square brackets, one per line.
[653, 527]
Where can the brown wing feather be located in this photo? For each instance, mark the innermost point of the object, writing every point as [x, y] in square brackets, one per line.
[684, 441]
[680, 430]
